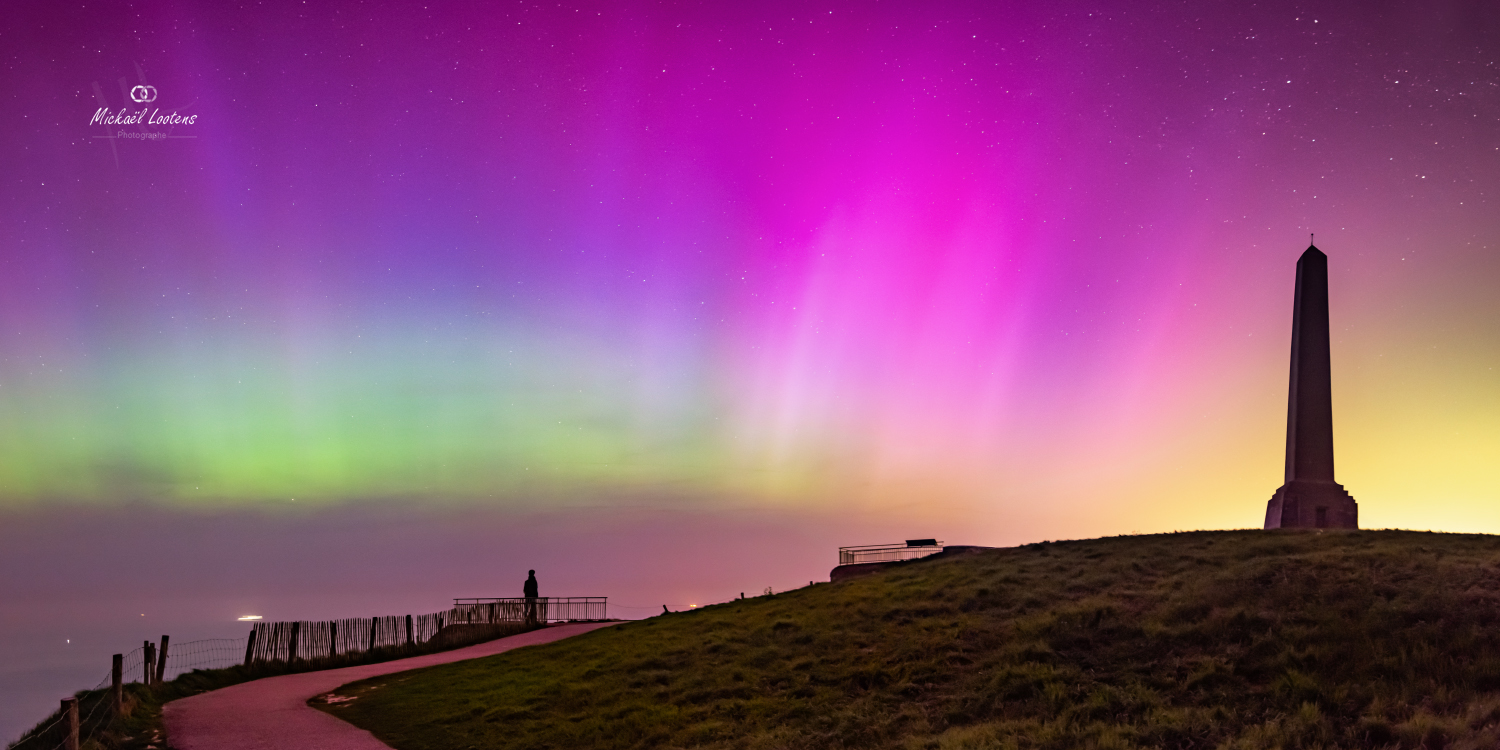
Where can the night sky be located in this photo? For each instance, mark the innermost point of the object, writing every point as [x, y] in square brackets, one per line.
[990, 272]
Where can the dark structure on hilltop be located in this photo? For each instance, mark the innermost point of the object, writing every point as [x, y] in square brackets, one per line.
[1310, 498]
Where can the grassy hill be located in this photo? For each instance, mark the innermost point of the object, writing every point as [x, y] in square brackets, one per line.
[1244, 639]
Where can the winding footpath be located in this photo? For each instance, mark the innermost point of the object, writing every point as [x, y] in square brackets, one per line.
[272, 713]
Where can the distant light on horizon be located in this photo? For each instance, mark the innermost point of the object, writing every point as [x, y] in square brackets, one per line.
[250, 617]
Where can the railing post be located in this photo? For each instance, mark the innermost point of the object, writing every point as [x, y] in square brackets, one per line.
[116, 685]
[161, 661]
[291, 651]
[70, 716]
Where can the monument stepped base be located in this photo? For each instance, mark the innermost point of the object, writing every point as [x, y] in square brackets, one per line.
[1312, 505]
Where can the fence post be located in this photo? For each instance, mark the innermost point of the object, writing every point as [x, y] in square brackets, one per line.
[291, 651]
[70, 715]
[333, 639]
[116, 686]
[411, 639]
[250, 646]
[374, 621]
[148, 660]
[161, 661]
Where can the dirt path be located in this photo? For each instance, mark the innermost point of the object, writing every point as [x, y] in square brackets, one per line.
[272, 713]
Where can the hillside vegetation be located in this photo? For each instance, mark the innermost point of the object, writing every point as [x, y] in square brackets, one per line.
[1244, 639]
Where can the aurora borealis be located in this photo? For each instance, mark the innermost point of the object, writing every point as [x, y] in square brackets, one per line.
[993, 259]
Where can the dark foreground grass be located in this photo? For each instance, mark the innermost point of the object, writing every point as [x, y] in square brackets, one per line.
[1245, 639]
[140, 727]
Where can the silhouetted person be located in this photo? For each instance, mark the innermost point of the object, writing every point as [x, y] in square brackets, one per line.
[529, 591]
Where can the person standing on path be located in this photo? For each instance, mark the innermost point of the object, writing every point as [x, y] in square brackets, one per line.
[530, 592]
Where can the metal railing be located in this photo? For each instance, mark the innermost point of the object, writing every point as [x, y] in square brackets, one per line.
[540, 609]
[875, 553]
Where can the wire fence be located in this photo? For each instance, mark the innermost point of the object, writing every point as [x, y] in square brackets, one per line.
[135, 666]
[89, 727]
[93, 720]
[210, 653]
[42, 733]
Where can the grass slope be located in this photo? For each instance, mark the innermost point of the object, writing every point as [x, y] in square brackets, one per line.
[1245, 639]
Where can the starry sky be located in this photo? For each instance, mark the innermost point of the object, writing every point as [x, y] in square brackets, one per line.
[1001, 270]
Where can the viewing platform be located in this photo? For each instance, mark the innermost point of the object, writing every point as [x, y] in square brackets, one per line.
[869, 558]
[544, 609]
[879, 553]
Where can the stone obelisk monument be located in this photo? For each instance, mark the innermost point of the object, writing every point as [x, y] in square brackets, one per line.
[1310, 498]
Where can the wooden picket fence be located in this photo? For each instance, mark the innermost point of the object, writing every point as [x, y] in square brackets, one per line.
[469, 621]
[288, 641]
